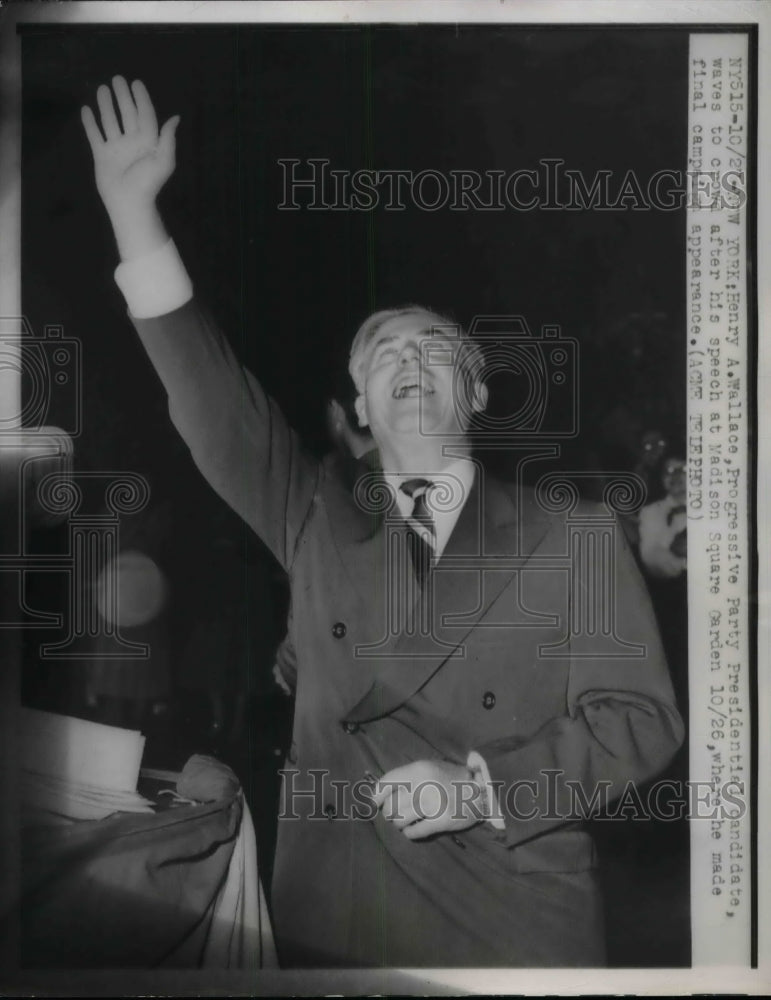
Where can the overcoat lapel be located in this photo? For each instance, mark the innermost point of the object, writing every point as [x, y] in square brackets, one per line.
[427, 628]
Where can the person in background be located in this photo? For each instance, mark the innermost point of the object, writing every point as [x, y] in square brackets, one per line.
[663, 543]
[652, 448]
[347, 437]
[663, 554]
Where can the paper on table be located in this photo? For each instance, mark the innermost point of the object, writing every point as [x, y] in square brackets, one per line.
[87, 753]
[44, 796]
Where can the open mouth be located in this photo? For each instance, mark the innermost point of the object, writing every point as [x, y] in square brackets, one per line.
[412, 389]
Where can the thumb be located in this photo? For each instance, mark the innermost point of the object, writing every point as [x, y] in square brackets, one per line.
[167, 139]
[422, 828]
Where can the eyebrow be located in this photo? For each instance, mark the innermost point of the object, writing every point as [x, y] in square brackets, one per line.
[428, 331]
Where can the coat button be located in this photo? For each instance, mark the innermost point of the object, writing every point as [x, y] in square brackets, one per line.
[351, 727]
[488, 699]
[339, 630]
[330, 812]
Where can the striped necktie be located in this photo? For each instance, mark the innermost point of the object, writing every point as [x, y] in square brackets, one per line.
[421, 549]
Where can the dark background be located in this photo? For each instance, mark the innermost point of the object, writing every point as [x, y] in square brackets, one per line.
[291, 287]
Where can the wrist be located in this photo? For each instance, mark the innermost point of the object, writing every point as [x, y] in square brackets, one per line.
[155, 283]
[138, 230]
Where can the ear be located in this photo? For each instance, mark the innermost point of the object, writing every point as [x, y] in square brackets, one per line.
[361, 411]
[336, 411]
[479, 397]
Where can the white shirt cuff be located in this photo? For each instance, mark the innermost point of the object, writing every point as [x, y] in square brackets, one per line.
[481, 772]
[154, 284]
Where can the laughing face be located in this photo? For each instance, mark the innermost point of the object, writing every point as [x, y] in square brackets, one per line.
[409, 381]
[674, 479]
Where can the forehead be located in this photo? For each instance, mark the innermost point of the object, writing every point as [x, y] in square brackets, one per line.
[414, 325]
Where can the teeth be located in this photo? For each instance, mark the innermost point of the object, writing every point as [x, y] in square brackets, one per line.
[411, 390]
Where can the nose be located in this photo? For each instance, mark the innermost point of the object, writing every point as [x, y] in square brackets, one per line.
[409, 353]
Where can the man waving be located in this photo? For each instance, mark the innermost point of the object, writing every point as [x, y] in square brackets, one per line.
[440, 728]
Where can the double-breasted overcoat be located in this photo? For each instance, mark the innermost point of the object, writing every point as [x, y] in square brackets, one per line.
[536, 646]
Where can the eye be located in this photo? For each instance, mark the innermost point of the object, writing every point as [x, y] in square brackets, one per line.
[382, 351]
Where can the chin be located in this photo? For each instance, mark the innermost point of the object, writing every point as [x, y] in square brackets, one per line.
[408, 425]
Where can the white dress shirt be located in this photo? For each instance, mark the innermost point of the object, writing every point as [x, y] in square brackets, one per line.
[445, 499]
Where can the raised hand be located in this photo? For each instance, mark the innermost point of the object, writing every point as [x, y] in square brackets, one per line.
[132, 162]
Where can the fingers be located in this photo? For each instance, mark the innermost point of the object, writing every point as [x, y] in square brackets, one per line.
[426, 798]
[385, 786]
[418, 814]
[423, 828]
[403, 799]
[126, 106]
[166, 143]
[94, 136]
[137, 116]
[146, 118]
[382, 792]
[399, 790]
[400, 810]
[107, 112]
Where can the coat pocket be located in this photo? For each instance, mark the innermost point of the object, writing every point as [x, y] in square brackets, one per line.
[569, 849]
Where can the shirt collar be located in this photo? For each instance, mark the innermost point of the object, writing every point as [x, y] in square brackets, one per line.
[457, 478]
[460, 471]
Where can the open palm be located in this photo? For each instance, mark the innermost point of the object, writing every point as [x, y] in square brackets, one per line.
[132, 158]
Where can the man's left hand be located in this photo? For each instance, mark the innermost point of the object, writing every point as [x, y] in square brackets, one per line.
[429, 797]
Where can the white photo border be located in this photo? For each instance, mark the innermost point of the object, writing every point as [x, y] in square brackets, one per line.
[717, 15]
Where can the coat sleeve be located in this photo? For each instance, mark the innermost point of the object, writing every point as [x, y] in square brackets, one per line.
[236, 434]
[620, 725]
